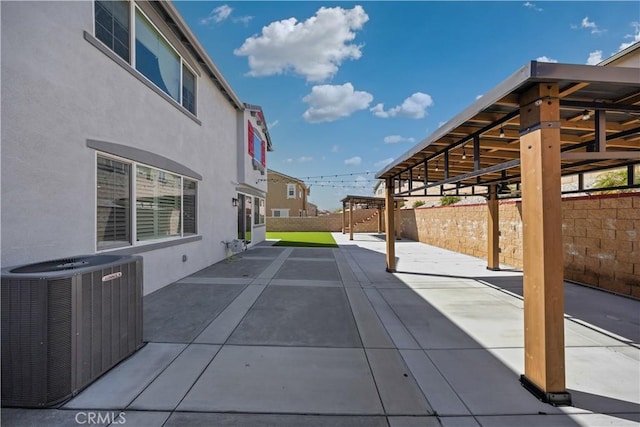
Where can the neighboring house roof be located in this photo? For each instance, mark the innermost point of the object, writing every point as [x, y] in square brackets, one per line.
[290, 178]
[621, 54]
[262, 122]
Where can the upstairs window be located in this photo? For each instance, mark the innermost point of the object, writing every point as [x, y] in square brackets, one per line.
[112, 26]
[152, 54]
[155, 59]
[188, 89]
[291, 191]
[257, 147]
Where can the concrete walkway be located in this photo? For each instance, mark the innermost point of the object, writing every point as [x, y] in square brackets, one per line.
[325, 337]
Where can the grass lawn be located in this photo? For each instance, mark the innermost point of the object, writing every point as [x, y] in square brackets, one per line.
[309, 239]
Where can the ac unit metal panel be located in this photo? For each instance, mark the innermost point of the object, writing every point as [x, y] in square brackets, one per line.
[62, 329]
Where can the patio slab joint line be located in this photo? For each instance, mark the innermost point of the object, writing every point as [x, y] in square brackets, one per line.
[426, 354]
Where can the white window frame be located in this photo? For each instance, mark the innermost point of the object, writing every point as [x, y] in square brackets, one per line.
[281, 211]
[261, 204]
[133, 204]
[132, 54]
[291, 187]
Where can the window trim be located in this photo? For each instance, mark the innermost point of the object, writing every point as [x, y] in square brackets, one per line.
[294, 191]
[262, 219]
[132, 49]
[135, 245]
[135, 73]
[280, 211]
[131, 64]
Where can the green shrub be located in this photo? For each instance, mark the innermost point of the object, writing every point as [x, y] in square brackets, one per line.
[616, 178]
[418, 203]
[449, 200]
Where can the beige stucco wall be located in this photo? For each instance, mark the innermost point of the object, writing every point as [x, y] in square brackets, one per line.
[277, 195]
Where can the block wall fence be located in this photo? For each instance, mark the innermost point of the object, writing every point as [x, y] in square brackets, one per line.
[600, 233]
[366, 222]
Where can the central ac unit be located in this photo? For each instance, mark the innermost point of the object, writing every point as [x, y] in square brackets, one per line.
[65, 323]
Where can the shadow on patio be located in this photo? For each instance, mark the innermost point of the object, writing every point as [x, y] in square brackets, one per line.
[316, 336]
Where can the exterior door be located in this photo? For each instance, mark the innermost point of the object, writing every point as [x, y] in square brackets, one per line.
[244, 217]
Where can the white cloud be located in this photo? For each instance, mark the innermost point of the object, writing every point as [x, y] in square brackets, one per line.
[383, 163]
[546, 59]
[353, 161]
[217, 15]
[414, 107]
[634, 37]
[331, 102]
[394, 139]
[479, 96]
[288, 161]
[334, 149]
[243, 20]
[273, 124]
[595, 57]
[305, 159]
[532, 6]
[590, 25]
[313, 49]
[222, 13]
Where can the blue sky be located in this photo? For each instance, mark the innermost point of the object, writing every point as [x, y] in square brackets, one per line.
[346, 87]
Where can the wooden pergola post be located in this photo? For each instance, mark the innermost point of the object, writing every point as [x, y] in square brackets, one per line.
[379, 219]
[350, 219]
[344, 213]
[398, 221]
[542, 244]
[493, 230]
[390, 225]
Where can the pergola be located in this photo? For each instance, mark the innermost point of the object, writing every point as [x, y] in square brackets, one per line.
[545, 121]
[375, 202]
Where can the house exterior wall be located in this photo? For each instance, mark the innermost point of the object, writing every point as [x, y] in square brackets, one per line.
[600, 234]
[277, 195]
[252, 175]
[58, 92]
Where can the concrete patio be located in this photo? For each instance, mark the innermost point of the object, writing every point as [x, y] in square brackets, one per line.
[325, 337]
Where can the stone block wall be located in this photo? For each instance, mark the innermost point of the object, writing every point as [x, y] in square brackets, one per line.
[601, 236]
[366, 221]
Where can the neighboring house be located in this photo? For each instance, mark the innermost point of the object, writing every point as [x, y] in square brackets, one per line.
[121, 136]
[287, 196]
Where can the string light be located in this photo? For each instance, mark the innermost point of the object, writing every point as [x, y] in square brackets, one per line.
[586, 115]
[437, 168]
[464, 153]
[501, 132]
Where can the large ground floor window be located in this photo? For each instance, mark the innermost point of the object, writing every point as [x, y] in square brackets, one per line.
[151, 204]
